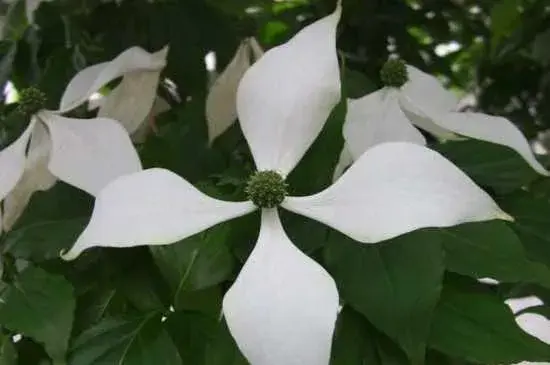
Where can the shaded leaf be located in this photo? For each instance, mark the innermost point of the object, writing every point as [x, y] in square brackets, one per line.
[223, 350]
[395, 284]
[41, 306]
[490, 249]
[7, 50]
[125, 342]
[353, 343]
[195, 263]
[489, 164]
[476, 325]
[8, 356]
[532, 223]
[191, 332]
[16, 21]
[504, 17]
[43, 240]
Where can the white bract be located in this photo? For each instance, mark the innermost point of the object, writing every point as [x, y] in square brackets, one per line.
[283, 306]
[133, 99]
[160, 105]
[534, 324]
[392, 114]
[221, 102]
[86, 153]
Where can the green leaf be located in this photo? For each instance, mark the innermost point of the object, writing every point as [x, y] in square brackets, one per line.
[357, 342]
[543, 310]
[8, 355]
[141, 341]
[353, 343]
[476, 325]
[192, 332]
[395, 284]
[237, 7]
[60, 203]
[490, 249]
[195, 263]
[541, 51]
[505, 16]
[16, 21]
[357, 84]
[223, 350]
[97, 304]
[58, 71]
[531, 223]
[41, 306]
[489, 164]
[44, 240]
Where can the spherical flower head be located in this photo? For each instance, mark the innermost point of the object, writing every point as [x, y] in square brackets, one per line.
[394, 73]
[266, 189]
[31, 101]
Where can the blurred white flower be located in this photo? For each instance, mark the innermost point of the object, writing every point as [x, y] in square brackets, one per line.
[132, 100]
[415, 99]
[221, 102]
[86, 153]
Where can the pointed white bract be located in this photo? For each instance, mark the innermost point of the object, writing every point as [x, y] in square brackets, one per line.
[492, 129]
[344, 161]
[152, 207]
[285, 98]
[132, 100]
[283, 306]
[427, 94]
[221, 102]
[36, 177]
[93, 78]
[12, 161]
[376, 118]
[426, 104]
[89, 153]
[395, 188]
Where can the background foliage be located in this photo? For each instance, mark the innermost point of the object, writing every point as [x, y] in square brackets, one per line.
[413, 300]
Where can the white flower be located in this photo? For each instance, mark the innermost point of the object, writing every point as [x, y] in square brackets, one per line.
[534, 324]
[283, 306]
[392, 113]
[160, 105]
[86, 153]
[221, 102]
[131, 101]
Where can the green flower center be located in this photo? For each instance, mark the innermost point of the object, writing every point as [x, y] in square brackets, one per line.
[394, 73]
[31, 100]
[266, 189]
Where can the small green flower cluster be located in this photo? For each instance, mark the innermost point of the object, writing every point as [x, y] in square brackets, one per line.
[394, 73]
[31, 101]
[266, 189]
